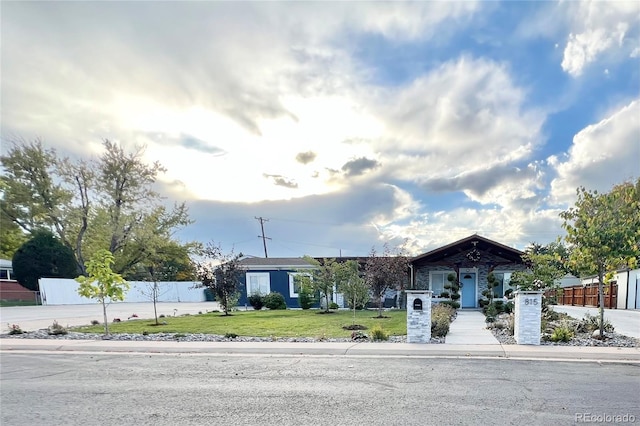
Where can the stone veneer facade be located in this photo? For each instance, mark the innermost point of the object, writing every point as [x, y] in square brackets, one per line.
[418, 320]
[528, 317]
[488, 262]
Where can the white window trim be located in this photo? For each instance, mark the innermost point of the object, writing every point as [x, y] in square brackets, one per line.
[292, 287]
[258, 274]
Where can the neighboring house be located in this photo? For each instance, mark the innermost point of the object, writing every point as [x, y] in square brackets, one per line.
[568, 281]
[628, 287]
[10, 289]
[6, 270]
[471, 259]
[270, 275]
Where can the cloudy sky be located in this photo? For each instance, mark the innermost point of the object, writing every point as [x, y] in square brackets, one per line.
[346, 124]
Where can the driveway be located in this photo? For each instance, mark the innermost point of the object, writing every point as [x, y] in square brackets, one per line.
[625, 321]
[31, 318]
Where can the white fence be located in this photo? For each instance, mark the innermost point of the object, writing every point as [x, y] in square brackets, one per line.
[59, 291]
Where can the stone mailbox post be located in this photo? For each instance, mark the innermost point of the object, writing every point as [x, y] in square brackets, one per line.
[418, 316]
[528, 307]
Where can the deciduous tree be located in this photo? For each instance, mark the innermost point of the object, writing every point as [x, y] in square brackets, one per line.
[351, 284]
[221, 273]
[102, 283]
[546, 265]
[323, 278]
[11, 236]
[603, 231]
[388, 271]
[89, 204]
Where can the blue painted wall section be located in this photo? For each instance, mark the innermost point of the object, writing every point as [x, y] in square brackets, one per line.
[279, 282]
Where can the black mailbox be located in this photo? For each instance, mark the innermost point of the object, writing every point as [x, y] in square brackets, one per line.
[417, 305]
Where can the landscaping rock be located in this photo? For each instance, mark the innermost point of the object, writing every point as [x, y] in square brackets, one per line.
[172, 337]
[501, 331]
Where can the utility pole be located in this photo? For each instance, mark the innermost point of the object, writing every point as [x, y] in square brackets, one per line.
[264, 239]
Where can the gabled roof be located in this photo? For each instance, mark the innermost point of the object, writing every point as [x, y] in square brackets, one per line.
[274, 263]
[466, 244]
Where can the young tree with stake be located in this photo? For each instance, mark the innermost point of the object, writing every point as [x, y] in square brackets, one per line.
[102, 283]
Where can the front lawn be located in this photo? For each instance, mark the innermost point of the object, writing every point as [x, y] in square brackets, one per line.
[277, 323]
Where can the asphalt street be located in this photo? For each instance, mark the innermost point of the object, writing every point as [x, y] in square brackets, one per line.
[169, 389]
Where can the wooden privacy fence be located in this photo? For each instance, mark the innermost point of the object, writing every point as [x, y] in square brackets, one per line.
[579, 295]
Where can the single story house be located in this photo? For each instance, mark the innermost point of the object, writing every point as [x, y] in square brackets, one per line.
[471, 259]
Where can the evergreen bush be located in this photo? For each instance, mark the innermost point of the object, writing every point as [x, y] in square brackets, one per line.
[274, 301]
[256, 300]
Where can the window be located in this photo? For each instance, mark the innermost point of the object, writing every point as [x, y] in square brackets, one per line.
[503, 279]
[437, 281]
[258, 282]
[4, 274]
[294, 288]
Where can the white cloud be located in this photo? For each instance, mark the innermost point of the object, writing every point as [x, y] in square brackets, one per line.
[597, 27]
[255, 86]
[602, 155]
[511, 227]
[465, 117]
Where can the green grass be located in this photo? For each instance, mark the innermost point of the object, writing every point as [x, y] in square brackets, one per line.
[289, 323]
[8, 303]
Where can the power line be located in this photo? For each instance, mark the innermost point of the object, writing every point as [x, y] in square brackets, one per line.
[264, 239]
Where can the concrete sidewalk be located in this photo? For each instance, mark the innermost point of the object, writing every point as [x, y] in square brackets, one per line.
[497, 351]
[470, 328]
[625, 321]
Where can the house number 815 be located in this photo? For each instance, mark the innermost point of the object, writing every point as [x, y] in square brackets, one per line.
[530, 301]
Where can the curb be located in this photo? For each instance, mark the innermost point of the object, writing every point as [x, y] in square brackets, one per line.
[406, 350]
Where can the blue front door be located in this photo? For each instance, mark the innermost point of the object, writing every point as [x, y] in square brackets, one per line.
[468, 290]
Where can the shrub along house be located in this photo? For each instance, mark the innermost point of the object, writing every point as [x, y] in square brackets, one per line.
[471, 259]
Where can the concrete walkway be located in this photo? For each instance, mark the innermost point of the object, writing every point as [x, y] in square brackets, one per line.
[625, 321]
[469, 328]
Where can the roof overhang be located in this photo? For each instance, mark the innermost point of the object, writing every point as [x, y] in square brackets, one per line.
[467, 244]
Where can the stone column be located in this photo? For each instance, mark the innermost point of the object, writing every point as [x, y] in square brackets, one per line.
[528, 317]
[418, 316]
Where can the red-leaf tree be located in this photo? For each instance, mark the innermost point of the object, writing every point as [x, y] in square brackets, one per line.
[386, 271]
[220, 273]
